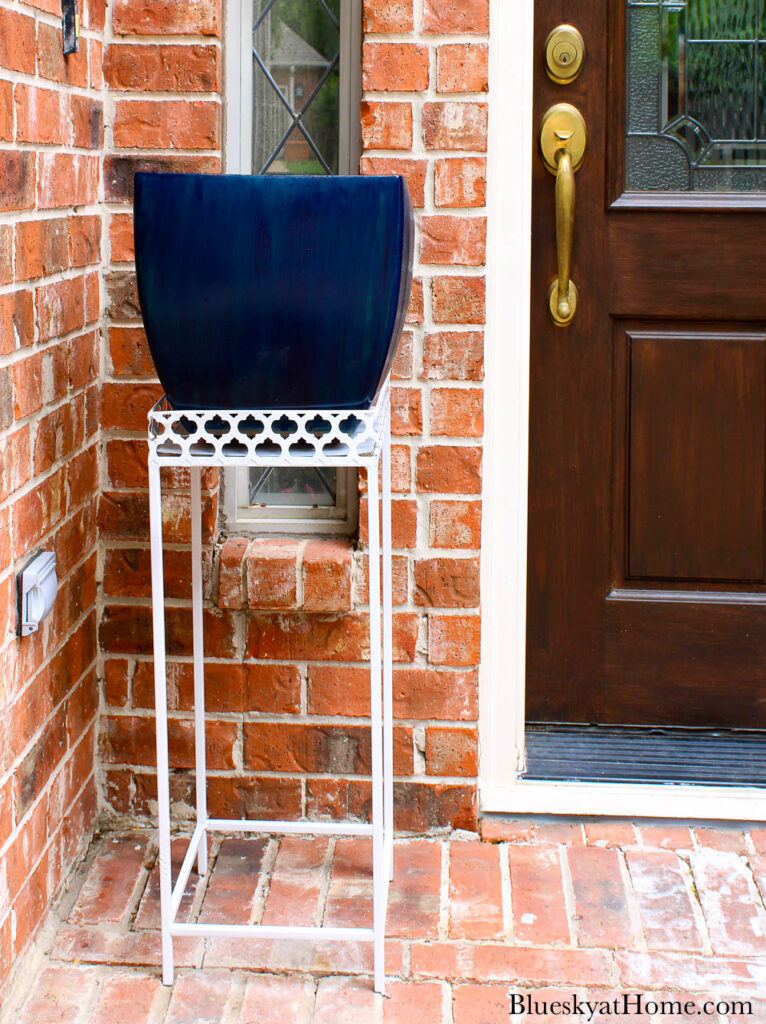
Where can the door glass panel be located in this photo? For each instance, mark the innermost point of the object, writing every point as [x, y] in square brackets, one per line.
[696, 95]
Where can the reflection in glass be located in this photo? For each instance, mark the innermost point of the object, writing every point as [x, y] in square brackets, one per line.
[308, 488]
[296, 81]
[696, 95]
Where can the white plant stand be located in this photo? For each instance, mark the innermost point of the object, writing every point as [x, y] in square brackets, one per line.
[226, 438]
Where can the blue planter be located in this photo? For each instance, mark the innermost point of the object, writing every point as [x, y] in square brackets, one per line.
[275, 292]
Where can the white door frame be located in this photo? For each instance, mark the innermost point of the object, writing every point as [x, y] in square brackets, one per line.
[504, 527]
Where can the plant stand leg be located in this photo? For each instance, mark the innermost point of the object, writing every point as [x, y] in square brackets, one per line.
[161, 718]
[388, 725]
[378, 865]
[199, 663]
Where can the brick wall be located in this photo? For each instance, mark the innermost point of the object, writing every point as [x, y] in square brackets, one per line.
[51, 129]
[286, 620]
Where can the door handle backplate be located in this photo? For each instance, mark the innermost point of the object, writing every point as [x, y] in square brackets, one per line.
[563, 140]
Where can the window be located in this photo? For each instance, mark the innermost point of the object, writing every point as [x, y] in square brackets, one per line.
[293, 90]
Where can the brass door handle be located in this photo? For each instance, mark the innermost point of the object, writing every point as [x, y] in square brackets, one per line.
[563, 138]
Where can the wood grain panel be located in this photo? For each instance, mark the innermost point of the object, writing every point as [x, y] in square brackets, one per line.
[697, 432]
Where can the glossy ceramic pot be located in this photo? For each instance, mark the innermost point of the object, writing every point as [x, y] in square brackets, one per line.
[274, 292]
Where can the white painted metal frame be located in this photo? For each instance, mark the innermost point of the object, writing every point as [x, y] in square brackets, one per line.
[269, 438]
[504, 525]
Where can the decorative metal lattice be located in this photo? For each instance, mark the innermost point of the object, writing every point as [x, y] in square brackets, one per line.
[296, 54]
[696, 84]
[337, 437]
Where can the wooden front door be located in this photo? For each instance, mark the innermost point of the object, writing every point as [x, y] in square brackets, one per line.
[647, 537]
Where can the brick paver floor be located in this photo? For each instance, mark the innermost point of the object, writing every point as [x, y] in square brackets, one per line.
[542, 912]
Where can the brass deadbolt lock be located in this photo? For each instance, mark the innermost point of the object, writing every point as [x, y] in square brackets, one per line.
[564, 54]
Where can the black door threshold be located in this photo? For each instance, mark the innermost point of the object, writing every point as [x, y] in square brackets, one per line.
[596, 753]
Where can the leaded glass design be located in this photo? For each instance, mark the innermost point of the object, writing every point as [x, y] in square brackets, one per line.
[696, 96]
[296, 130]
[296, 77]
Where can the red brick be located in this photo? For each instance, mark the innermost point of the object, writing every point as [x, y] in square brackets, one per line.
[537, 894]
[458, 300]
[452, 469]
[42, 115]
[127, 629]
[758, 836]
[17, 321]
[724, 885]
[493, 962]
[88, 122]
[167, 124]
[125, 406]
[721, 838]
[60, 307]
[666, 837]
[295, 747]
[167, 17]
[413, 1003]
[460, 181]
[462, 67]
[126, 997]
[406, 411]
[295, 887]
[129, 352]
[234, 880]
[415, 309]
[667, 918]
[271, 573]
[454, 639]
[327, 576]
[65, 179]
[84, 240]
[91, 945]
[452, 751]
[108, 890]
[456, 16]
[270, 999]
[17, 176]
[122, 295]
[475, 908]
[6, 112]
[388, 16]
[51, 62]
[413, 171]
[600, 898]
[386, 125]
[129, 739]
[413, 908]
[163, 68]
[687, 973]
[606, 832]
[230, 573]
[121, 238]
[57, 994]
[254, 797]
[430, 693]
[447, 582]
[27, 385]
[480, 1004]
[457, 412]
[120, 170]
[453, 124]
[17, 41]
[16, 467]
[200, 997]
[450, 240]
[395, 67]
[42, 247]
[402, 366]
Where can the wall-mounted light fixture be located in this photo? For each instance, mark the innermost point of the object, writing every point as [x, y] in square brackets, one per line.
[70, 25]
[37, 586]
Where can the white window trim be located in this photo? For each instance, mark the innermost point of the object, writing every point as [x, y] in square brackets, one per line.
[504, 529]
[342, 518]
